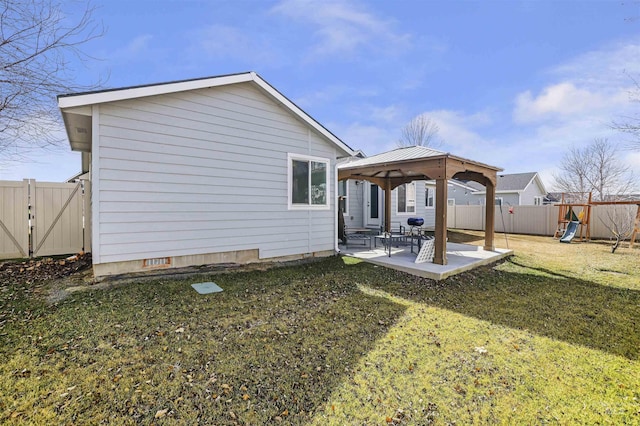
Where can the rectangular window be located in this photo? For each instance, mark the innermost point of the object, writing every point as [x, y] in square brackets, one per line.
[308, 182]
[498, 201]
[406, 197]
[537, 201]
[428, 196]
[343, 196]
[451, 202]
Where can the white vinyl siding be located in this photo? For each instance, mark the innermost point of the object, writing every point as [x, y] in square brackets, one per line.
[205, 172]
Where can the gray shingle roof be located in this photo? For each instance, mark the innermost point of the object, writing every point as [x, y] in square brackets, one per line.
[511, 182]
[514, 182]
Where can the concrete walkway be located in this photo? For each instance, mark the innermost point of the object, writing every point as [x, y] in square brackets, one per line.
[460, 257]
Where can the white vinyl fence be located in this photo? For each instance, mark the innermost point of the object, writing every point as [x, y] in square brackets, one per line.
[43, 218]
[537, 220]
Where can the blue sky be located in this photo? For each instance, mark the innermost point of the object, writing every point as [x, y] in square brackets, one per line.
[512, 84]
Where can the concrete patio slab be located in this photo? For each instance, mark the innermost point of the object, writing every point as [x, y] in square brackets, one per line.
[460, 257]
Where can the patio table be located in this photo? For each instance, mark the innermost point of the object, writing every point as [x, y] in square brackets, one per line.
[388, 239]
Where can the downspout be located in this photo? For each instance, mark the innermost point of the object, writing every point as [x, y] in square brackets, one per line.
[335, 206]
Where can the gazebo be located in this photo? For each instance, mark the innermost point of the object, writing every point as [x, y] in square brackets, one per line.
[403, 165]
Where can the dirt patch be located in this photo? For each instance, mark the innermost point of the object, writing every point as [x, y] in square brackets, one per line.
[34, 271]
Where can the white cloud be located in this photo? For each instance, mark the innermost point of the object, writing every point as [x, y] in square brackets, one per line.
[134, 49]
[578, 104]
[341, 27]
[595, 84]
[371, 139]
[388, 114]
[608, 66]
[633, 160]
[564, 100]
[459, 131]
[231, 42]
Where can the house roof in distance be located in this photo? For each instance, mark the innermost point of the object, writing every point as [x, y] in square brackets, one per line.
[514, 182]
[76, 115]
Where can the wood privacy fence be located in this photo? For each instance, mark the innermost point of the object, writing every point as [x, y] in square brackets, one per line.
[43, 218]
[537, 220]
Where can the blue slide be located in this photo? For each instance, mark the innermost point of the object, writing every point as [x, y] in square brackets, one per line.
[570, 232]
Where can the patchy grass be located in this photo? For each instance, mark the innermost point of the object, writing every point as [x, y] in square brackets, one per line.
[549, 336]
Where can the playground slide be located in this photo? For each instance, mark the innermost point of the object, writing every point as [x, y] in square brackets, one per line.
[570, 232]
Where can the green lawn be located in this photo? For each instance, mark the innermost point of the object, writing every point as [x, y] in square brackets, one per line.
[551, 335]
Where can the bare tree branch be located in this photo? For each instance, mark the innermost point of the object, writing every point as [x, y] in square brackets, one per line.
[37, 43]
[630, 124]
[620, 222]
[595, 168]
[420, 131]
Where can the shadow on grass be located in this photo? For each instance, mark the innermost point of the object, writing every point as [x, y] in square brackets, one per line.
[463, 237]
[541, 301]
[271, 347]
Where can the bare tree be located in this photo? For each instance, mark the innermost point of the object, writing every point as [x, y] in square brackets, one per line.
[630, 124]
[595, 168]
[37, 43]
[420, 131]
[620, 222]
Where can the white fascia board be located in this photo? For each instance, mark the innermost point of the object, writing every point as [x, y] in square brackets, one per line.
[540, 183]
[152, 90]
[300, 113]
[72, 101]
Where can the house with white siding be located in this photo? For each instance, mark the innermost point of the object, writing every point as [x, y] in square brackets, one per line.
[363, 201]
[515, 189]
[223, 169]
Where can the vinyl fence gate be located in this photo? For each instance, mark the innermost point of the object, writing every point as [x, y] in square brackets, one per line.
[44, 218]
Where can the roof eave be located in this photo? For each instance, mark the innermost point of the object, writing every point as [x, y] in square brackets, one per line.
[66, 102]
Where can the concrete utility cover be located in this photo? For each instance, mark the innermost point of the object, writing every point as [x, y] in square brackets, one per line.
[206, 288]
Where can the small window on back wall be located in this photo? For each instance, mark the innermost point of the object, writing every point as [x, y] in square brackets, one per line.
[308, 182]
[429, 194]
[406, 197]
[537, 201]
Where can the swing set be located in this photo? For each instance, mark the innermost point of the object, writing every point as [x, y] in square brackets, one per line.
[569, 222]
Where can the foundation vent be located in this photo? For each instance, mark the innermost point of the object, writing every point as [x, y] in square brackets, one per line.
[158, 262]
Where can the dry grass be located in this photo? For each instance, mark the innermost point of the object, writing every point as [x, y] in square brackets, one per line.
[548, 336]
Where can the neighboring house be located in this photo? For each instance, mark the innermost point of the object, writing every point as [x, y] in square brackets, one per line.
[214, 170]
[517, 189]
[464, 193]
[365, 201]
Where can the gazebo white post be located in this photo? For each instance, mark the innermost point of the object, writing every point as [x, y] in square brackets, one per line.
[440, 256]
[490, 226]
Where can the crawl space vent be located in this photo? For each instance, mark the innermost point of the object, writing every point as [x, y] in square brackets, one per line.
[158, 262]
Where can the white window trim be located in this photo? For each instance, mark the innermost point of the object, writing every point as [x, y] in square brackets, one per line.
[346, 194]
[451, 202]
[433, 189]
[301, 157]
[501, 201]
[415, 207]
[538, 201]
